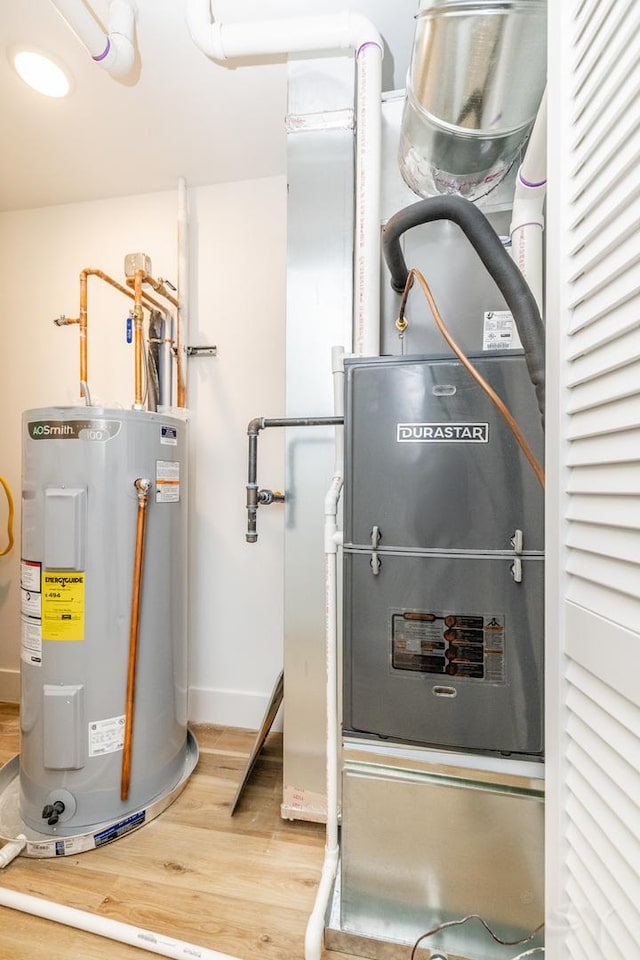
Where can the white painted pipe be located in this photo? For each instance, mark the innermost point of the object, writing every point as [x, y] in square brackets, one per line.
[367, 213]
[12, 849]
[115, 51]
[315, 924]
[105, 927]
[527, 219]
[183, 277]
[340, 31]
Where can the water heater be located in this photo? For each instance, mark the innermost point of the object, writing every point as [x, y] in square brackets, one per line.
[80, 537]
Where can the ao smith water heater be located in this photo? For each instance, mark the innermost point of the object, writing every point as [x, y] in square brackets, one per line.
[104, 740]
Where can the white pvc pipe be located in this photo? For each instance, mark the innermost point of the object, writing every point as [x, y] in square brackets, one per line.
[114, 52]
[105, 927]
[366, 334]
[527, 219]
[315, 924]
[340, 31]
[12, 849]
[534, 165]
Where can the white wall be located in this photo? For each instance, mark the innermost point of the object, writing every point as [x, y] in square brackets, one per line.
[237, 239]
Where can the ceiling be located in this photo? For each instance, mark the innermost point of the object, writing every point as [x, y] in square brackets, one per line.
[178, 114]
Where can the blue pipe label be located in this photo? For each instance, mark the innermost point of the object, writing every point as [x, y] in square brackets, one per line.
[129, 329]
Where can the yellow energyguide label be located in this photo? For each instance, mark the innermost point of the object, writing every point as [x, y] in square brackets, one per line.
[62, 605]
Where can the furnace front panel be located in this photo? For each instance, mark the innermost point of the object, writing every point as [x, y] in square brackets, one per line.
[443, 563]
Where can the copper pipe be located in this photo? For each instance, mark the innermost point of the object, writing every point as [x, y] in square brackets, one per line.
[158, 286]
[462, 357]
[146, 301]
[151, 301]
[142, 487]
[137, 336]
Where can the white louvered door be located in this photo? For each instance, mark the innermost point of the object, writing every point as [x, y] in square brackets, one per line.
[593, 459]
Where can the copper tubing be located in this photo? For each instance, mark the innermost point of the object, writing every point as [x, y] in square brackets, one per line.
[149, 302]
[142, 487]
[141, 299]
[158, 285]
[493, 396]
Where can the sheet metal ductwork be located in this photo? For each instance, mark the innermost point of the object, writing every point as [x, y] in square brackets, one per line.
[476, 79]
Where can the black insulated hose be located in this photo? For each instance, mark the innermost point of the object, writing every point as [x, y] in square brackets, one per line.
[488, 246]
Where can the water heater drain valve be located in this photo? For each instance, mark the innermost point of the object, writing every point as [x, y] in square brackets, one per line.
[60, 806]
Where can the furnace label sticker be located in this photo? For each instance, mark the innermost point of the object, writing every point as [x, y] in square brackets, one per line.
[62, 605]
[500, 331]
[456, 645]
[31, 642]
[167, 481]
[106, 736]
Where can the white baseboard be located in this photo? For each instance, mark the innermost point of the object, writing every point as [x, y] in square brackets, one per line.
[229, 708]
[10, 686]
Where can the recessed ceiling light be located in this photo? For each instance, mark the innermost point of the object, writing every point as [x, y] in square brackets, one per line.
[41, 73]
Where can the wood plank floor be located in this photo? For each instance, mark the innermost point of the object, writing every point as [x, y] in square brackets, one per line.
[242, 885]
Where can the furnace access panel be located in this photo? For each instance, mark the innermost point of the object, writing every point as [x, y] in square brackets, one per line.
[443, 561]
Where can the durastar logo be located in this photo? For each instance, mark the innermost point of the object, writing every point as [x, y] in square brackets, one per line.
[442, 433]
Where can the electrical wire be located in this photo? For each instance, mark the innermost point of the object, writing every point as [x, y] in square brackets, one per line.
[7, 491]
[475, 916]
[477, 376]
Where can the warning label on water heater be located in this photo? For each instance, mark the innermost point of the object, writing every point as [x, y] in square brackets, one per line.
[167, 481]
[31, 641]
[62, 605]
[106, 736]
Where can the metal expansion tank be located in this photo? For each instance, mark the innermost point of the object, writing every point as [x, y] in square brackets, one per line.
[79, 518]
